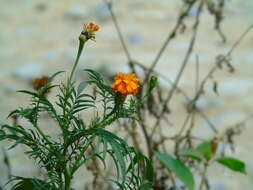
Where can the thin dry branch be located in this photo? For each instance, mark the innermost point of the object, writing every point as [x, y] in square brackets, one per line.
[121, 38]
[186, 59]
[171, 35]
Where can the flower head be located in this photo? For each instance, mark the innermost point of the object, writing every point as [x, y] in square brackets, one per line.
[126, 84]
[89, 31]
[40, 82]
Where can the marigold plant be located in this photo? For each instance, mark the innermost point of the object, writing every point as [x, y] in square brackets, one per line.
[79, 141]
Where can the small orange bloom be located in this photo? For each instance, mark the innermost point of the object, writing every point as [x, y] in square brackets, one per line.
[91, 27]
[126, 84]
[40, 82]
[89, 30]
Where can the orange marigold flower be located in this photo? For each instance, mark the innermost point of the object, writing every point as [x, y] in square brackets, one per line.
[89, 30]
[126, 84]
[40, 82]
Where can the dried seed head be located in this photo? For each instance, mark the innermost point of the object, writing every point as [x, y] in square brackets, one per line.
[40, 82]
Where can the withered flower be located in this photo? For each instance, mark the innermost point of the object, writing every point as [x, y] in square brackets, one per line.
[40, 82]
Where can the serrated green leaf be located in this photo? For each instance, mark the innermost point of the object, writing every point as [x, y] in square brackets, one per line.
[233, 164]
[178, 168]
[117, 151]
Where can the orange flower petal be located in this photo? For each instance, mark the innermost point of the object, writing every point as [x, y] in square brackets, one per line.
[125, 84]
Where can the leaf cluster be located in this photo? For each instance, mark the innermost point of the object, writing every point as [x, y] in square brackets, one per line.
[78, 142]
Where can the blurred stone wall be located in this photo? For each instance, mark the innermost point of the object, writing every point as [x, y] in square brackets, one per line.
[40, 37]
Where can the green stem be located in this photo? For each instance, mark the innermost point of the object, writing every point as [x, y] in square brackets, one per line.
[119, 101]
[79, 161]
[67, 178]
[67, 173]
[80, 49]
[37, 127]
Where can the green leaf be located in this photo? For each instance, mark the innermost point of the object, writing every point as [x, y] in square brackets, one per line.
[94, 75]
[149, 170]
[31, 184]
[117, 151]
[28, 92]
[2, 135]
[178, 168]
[191, 153]
[13, 113]
[145, 185]
[54, 75]
[233, 164]
[18, 141]
[205, 149]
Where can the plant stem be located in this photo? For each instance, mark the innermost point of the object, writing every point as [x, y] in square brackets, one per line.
[67, 173]
[67, 177]
[203, 176]
[80, 49]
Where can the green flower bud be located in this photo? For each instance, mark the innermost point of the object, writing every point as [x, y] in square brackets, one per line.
[152, 83]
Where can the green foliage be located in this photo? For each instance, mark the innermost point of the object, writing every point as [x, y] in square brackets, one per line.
[31, 183]
[205, 150]
[233, 164]
[191, 153]
[78, 142]
[202, 151]
[178, 168]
